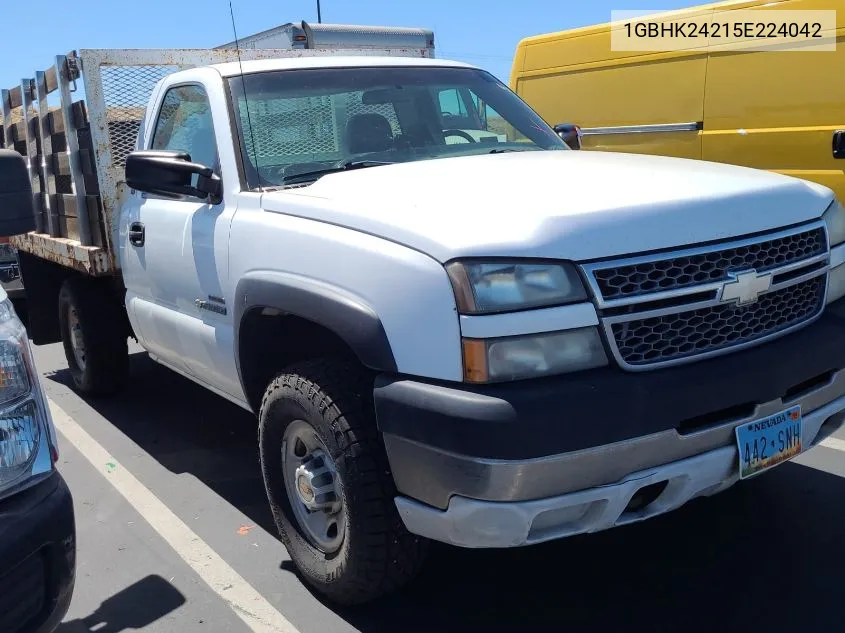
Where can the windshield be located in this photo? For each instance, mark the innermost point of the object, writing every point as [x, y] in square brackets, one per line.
[306, 121]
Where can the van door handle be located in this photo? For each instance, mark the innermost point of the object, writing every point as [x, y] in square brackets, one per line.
[136, 234]
[839, 144]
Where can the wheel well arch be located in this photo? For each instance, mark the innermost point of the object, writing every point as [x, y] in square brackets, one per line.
[269, 341]
[283, 319]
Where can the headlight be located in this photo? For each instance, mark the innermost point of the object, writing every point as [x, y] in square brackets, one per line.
[834, 217]
[14, 380]
[485, 287]
[24, 449]
[516, 357]
[20, 435]
[14, 376]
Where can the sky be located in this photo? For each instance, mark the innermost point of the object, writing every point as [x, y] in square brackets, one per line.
[481, 32]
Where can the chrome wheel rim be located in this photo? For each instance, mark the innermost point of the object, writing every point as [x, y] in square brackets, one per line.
[313, 486]
[77, 344]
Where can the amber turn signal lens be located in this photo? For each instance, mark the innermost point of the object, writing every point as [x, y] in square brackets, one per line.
[475, 360]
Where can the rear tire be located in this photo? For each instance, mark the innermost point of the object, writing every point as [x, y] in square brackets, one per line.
[93, 336]
[377, 555]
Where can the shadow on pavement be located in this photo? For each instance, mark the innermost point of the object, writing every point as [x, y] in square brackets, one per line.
[768, 554]
[189, 430]
[135, 607]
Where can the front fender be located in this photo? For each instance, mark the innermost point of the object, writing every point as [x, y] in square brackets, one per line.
[336, 309]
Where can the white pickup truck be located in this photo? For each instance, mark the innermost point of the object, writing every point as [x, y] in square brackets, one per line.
[488, 343]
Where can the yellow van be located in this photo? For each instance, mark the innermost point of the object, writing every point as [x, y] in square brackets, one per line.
[783, 111]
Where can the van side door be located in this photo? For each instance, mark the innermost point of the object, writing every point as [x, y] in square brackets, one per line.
[623, 101]
[778, 110]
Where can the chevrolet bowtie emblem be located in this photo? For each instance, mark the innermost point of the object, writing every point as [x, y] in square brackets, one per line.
[745, 287]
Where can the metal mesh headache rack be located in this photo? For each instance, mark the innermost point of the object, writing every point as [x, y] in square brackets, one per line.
[77, 121]
[303, 126]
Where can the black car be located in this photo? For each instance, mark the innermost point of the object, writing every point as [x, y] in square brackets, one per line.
[37, 529]
[37, 556]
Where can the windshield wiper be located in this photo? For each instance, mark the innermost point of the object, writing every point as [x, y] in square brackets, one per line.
[346, 165]
[503, 150]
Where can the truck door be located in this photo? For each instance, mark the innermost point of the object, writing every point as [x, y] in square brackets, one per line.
[173, 272]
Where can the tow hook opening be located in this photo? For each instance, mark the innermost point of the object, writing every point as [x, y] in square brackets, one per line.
[645, 496]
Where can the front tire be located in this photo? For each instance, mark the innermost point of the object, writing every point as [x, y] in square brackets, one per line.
[361, 549]
[94, 340]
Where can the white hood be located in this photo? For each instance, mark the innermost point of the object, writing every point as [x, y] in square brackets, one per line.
[563, 205]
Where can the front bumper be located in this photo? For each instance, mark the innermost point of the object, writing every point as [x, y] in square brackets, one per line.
[513, 464]
[37, 557]
[474, 523]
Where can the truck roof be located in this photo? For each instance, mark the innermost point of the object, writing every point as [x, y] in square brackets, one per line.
[232, 69]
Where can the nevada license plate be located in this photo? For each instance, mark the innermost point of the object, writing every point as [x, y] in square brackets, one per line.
[768, 442]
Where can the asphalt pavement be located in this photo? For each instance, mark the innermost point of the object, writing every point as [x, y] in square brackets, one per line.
[174, 534]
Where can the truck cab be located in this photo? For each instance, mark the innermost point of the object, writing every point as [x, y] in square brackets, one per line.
[295, 122]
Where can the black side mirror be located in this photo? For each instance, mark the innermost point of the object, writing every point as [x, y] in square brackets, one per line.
[16, 210]
[168, 173]
[570, 133]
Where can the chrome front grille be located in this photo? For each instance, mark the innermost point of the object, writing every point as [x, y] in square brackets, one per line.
[675, 336]
[674, 271]
[670, 308]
